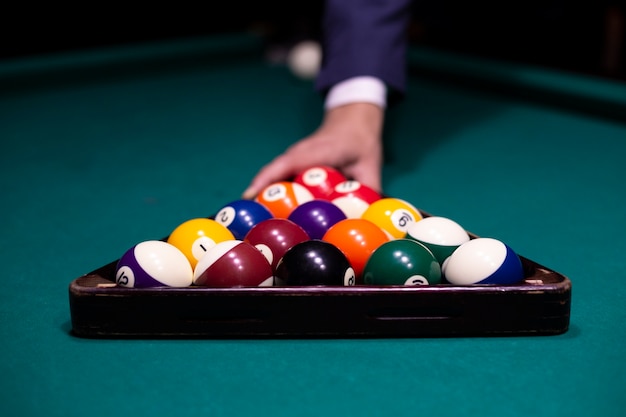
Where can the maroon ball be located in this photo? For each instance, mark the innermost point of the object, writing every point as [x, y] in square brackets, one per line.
[273, 237]
[233, 263]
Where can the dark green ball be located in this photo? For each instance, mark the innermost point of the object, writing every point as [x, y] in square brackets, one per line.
[402, 262]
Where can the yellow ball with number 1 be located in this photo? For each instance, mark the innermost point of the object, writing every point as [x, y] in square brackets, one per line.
[196, 236]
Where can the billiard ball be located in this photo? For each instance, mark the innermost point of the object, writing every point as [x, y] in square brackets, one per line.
[393, 215]
[195, 237]
[233, 263]
[483, 261]
[281, 197]
[316, 217]
[353, 197]
[304, 59]
[402, 262]
[439, 234]
[153, 263]
[357, 239]
[314, 262]
[320, 180]
[273, 237]
[240, 216]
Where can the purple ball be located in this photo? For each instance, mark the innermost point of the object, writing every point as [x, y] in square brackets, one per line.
[153, 263]
[316, 217]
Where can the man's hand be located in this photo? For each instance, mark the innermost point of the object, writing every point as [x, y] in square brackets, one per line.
[349, 139]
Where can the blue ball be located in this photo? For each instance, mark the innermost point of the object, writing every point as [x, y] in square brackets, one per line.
[483, 261]
[240, 216]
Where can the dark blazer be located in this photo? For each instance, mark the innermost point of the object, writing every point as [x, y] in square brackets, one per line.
[365, 37]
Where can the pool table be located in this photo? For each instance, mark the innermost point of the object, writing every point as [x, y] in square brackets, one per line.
[103, 148]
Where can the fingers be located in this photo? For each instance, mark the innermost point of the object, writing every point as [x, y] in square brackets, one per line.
[302, 155]
[367, 171]
[369, 177]
[277, 170]
[349, 140]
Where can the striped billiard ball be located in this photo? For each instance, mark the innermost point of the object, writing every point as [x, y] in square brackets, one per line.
[282, 197]
[439, 234]
[483, 261]
[233, 263]
[153, 263]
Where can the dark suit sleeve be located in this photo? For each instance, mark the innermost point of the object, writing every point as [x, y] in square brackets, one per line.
[365, 37]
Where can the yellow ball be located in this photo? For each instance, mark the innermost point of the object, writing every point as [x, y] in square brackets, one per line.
[196, 236]
[393, 215]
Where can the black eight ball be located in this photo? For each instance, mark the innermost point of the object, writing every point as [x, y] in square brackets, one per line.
[314, 262]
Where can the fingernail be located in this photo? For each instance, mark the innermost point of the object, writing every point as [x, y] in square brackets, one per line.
[248, 194]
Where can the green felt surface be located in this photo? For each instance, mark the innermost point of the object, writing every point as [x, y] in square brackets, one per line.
[95, 158]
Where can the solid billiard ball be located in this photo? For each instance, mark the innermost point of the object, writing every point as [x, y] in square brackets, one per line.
[304, 59]
[273, 237]
[316, 217]
[439, 234]
[353, 197]
[195, 237]
[281, 197]
[314, 262]
[240, 216]
[402, 262]
[320, 180]
[153, 263]
[233, 263]
[483, 261]
[357, 239]
[393, 215]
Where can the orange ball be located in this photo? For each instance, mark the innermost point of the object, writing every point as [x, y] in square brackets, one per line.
[357, 239]
[282, 197]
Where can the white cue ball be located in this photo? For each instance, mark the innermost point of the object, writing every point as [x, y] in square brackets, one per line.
[304, 59]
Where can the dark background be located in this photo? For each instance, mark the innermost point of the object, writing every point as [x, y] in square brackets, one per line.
[580, 36]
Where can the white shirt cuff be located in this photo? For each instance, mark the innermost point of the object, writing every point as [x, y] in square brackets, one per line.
[357, 90]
